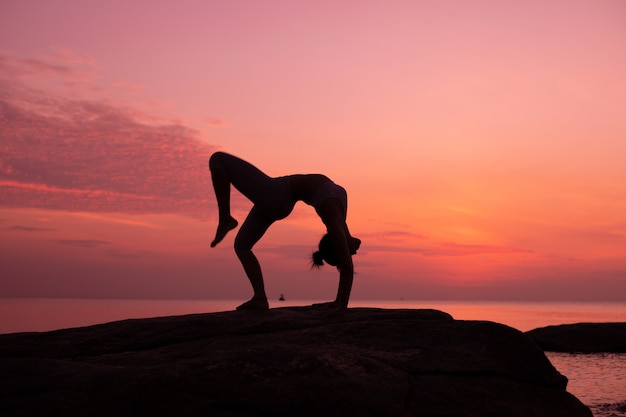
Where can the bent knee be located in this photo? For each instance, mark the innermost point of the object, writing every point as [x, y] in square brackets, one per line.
[216, 159]
[241, 248]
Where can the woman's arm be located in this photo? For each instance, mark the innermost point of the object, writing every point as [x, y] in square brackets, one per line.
[332, 216]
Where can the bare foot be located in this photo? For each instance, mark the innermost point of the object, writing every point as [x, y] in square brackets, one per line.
[255, 304]
[222, 229]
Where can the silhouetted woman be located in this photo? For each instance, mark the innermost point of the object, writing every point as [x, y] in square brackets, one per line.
[274, 199]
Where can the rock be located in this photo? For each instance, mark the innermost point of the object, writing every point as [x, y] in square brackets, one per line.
[292, 361]
[613, 410]
[582, 338]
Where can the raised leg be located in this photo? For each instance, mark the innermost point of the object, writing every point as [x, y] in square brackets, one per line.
[226, 170]
[221, 185]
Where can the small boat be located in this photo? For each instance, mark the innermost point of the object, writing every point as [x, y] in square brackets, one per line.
[281, 298]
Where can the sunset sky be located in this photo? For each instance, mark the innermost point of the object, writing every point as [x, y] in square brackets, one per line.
[482, 145]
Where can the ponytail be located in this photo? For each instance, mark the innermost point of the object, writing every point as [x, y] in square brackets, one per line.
[326, 253]
[317, 260]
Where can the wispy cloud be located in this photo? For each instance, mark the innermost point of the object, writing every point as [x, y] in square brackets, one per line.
[71, 57]
[457, 249]
[215, 122]
[115, 220]
[447, 249]
[87, 155]
[62, 68]
[82, 243]
[130, 254]
[27, 67]
[30, 229]
[394, 236]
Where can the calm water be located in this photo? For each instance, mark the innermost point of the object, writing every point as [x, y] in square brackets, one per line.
[597, 380]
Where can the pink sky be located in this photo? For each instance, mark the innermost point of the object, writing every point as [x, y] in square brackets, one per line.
[482, 145]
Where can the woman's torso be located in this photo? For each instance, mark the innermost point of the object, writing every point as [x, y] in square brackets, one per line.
[304, 186]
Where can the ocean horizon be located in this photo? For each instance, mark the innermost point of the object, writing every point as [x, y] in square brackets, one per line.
[32, 314]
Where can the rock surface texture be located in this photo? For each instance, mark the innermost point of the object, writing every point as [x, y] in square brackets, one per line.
[582, 338]
[293, 361]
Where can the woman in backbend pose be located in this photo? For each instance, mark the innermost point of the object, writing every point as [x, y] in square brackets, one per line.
[273, 199]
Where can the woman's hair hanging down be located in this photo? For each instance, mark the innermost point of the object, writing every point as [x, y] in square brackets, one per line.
[326, 253]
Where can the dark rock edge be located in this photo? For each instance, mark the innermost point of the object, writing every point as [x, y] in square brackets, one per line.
[287, 361]
[581, 338]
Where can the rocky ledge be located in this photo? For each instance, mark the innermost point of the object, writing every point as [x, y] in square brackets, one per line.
[283, 362]
[582, 338]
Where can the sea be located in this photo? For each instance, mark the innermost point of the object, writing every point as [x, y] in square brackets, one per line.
[598, 380]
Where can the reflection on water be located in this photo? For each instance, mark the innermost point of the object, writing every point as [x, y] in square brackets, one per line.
[595, 379]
